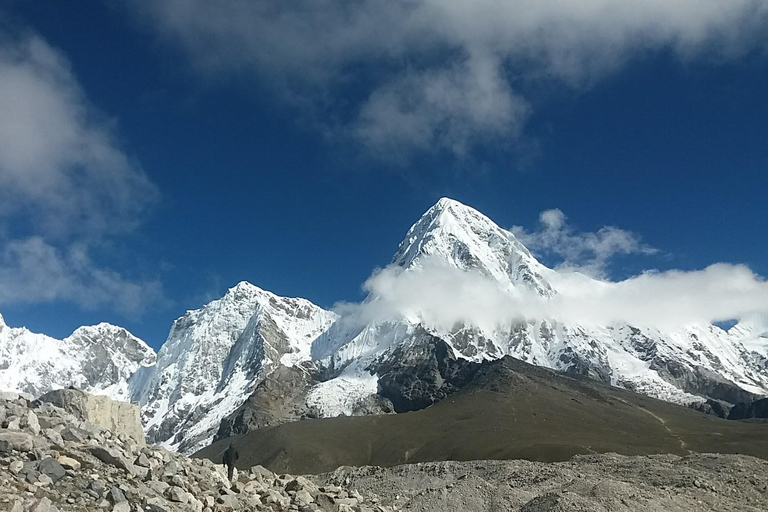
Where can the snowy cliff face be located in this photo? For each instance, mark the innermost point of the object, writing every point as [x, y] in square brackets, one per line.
[686, 366]
[214, 357]
[98, 359]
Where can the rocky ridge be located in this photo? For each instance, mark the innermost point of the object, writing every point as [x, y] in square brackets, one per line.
[51, 460]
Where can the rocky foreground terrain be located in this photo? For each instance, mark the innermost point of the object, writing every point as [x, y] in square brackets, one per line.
[586, 483]
[54, 458]
[56, 455]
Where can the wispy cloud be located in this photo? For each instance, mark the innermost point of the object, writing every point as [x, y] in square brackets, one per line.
[423, 75]
[32, 270]
[65, 185]
[584, 252]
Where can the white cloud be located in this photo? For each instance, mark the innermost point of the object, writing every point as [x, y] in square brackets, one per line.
[33, 271]
[430, 69]
[441, 296]
[65, 185]
[59, 162]
[579, 251]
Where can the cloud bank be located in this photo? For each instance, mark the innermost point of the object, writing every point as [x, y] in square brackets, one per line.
[441, 295]
[588, 253]
[65, 185]
[402, 76]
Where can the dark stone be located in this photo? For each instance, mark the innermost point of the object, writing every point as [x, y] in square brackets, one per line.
[52, 468]
[277, 399]
[714, 407]
[116, 495]
[98, 488]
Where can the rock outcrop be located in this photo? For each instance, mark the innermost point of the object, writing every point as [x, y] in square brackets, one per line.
[757, 409]
[99, 410]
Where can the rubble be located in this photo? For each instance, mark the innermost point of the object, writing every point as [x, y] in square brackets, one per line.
[54, 460]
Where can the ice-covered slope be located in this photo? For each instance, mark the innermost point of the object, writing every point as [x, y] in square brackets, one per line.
[468, 240]
[214, 357]
[688, 365]
[98, 359]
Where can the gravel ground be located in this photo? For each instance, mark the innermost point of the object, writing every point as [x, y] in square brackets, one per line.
[607, 482]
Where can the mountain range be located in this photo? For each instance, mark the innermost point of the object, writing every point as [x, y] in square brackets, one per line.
[252, 358]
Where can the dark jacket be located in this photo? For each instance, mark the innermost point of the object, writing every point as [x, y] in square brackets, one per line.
[230, 456]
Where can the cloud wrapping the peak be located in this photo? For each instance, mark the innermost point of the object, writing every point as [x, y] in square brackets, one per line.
[584, 252]
[442, 296]
[430, 69]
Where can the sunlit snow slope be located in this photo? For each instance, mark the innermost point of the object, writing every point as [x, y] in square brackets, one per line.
[213, 358]
[98, 359]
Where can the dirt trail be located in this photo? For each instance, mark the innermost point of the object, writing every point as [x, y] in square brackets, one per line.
[663, 422]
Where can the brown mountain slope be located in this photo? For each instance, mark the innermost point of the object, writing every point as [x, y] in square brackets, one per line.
[511, 410]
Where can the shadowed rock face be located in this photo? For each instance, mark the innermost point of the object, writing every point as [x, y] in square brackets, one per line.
[277, 399]
[101, 411]
[749, 410]
[421, 373]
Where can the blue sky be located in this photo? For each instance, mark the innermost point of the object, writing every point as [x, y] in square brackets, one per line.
[156, 153]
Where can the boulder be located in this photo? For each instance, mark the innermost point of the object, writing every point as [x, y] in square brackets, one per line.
[51, 467]
[101, 411]
[112, 457]
[19, 441]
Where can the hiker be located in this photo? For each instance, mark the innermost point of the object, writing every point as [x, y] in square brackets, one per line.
[230, 456]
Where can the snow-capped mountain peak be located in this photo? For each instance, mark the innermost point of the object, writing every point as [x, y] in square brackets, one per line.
[98, 359]
[214, 356]
[466, 239]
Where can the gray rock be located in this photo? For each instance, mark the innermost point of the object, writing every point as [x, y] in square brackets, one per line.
[113, 457]
[31, 423]
[100, 411]
[53, 436]
[74, 434]
[52, 468]
[13, 423]
[143, 461]
[44, 480]
[97, 487]
[19, 441]
[158, 486]
[44, 505]
[302, 498]
[123, 506]
[115, 495]
[178, 494]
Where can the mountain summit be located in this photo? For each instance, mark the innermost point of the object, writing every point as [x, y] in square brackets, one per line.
[468, 240]
[218, 356]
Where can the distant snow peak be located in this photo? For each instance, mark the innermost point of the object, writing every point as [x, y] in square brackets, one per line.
[98, 359]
